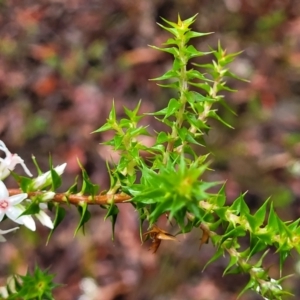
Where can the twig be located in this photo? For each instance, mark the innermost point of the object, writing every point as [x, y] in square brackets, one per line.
[79, 199]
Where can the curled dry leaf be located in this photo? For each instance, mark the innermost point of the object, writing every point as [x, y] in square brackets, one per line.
[205, 236]
[157, 235]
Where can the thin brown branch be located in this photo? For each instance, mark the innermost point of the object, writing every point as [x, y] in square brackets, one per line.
[79, 199]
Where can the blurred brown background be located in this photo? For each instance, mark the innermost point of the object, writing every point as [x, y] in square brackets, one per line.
[62, 63]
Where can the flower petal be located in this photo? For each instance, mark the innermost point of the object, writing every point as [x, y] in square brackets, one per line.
[4, 148]
[60, 169]
[3, 191]
[28, 222]
[2, 214]
[16, 199]
[26, 169]
[14, 213]
[8, 230]
[45, 219]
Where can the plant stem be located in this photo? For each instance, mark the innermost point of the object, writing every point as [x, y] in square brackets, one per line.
[79, 199]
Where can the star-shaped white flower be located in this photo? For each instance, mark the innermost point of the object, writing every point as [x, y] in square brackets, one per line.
[10, 161]
[11, 207]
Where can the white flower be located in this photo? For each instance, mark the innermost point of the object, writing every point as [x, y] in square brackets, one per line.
[10, 206]
[8, 163]
[2, 238]
[11, 285]
[45, 179]
[44, 218]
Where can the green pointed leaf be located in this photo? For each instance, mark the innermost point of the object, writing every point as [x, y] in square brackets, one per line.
[293, 226]
[256, 246]
[87, 186]
[221, 197]
[23, 182]
[112, 212]
[283, 256]
[170, 41]
[60, 213]
[259, 263]
[192, 52]
[224, 104]
[169, 74]
[39, 171]
[32, 209]
[233, 261]
[213, 114]
[172, 30]
[260, 214]
[216, 256]
[251, 221]
[159, 210]
[112, 114]
[171, 50]
[149, 196]
[272, 220]
[162, 138]
[193, 96]
[221, 212]
[105, 127]
[194, 34]
[74, 187]
[192, 74]
[236, 232]
[56, 180]
[85, 215]
[250, 285]
[173, 85]
[239, 205]
[173, 107]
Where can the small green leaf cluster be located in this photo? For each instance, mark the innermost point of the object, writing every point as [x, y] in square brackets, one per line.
[126, 143]
[36, 286]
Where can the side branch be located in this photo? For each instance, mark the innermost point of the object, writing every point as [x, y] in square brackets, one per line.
[79, 199]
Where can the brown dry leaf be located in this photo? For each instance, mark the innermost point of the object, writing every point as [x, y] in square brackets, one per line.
[154, 246]
[205, 236]
[157, 235]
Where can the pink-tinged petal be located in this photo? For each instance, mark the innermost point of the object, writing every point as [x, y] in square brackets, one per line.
[16, 199]
[44, 219]
[4, 148]
[2, 214]
[28, 222]
[26, 169]
[14, 160]
[3, 191]
[14, 213]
